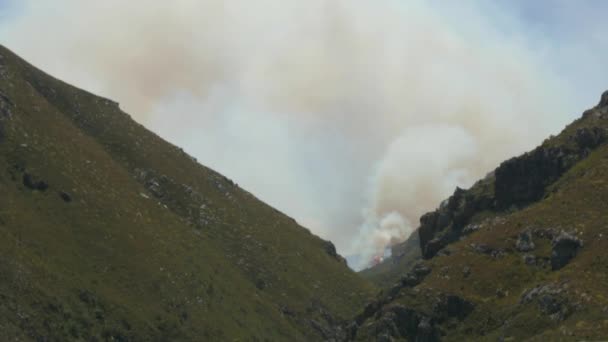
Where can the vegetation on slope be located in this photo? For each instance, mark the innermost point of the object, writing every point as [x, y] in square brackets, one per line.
[110, 233]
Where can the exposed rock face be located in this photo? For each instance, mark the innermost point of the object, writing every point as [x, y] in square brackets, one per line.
[523, 180]
[604, 100]
[330, 249]
[590, 138]
[524, 242]
[446, 224]
[565, 248]
[516, 183]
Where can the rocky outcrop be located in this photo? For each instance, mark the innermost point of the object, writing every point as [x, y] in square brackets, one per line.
[330, 249]
[481, 248]
[416, 275]
[604, 100]
[516, 183]
[182, 199]
[446, 224]
[401, 322]
[589, 138]
[411, 279]
[32, 183]
[551, 300]
[564, 248]
[523, 180]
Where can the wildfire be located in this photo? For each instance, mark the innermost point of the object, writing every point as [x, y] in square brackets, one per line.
[377, 259]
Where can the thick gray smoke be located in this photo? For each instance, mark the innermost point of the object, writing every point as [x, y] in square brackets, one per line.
[353, 116]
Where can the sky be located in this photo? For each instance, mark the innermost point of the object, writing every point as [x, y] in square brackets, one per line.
[354, 117]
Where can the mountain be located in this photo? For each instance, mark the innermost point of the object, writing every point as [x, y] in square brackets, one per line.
[109, 233]
[521, 255]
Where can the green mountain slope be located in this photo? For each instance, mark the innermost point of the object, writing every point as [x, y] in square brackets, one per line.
[109, 233]
[519, 256]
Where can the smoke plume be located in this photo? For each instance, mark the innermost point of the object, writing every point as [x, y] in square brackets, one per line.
[353, 116]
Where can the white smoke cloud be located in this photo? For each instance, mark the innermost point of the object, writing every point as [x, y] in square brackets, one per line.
[323, 108]
[420, 166]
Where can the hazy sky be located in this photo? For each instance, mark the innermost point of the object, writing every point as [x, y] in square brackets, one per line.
[354, 117]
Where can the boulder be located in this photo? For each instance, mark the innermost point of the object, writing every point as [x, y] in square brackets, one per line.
[524, 242]
[564, 248]
[65, 197]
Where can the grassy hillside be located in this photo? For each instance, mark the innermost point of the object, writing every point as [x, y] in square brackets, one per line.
[109, 233]
[529, 263]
